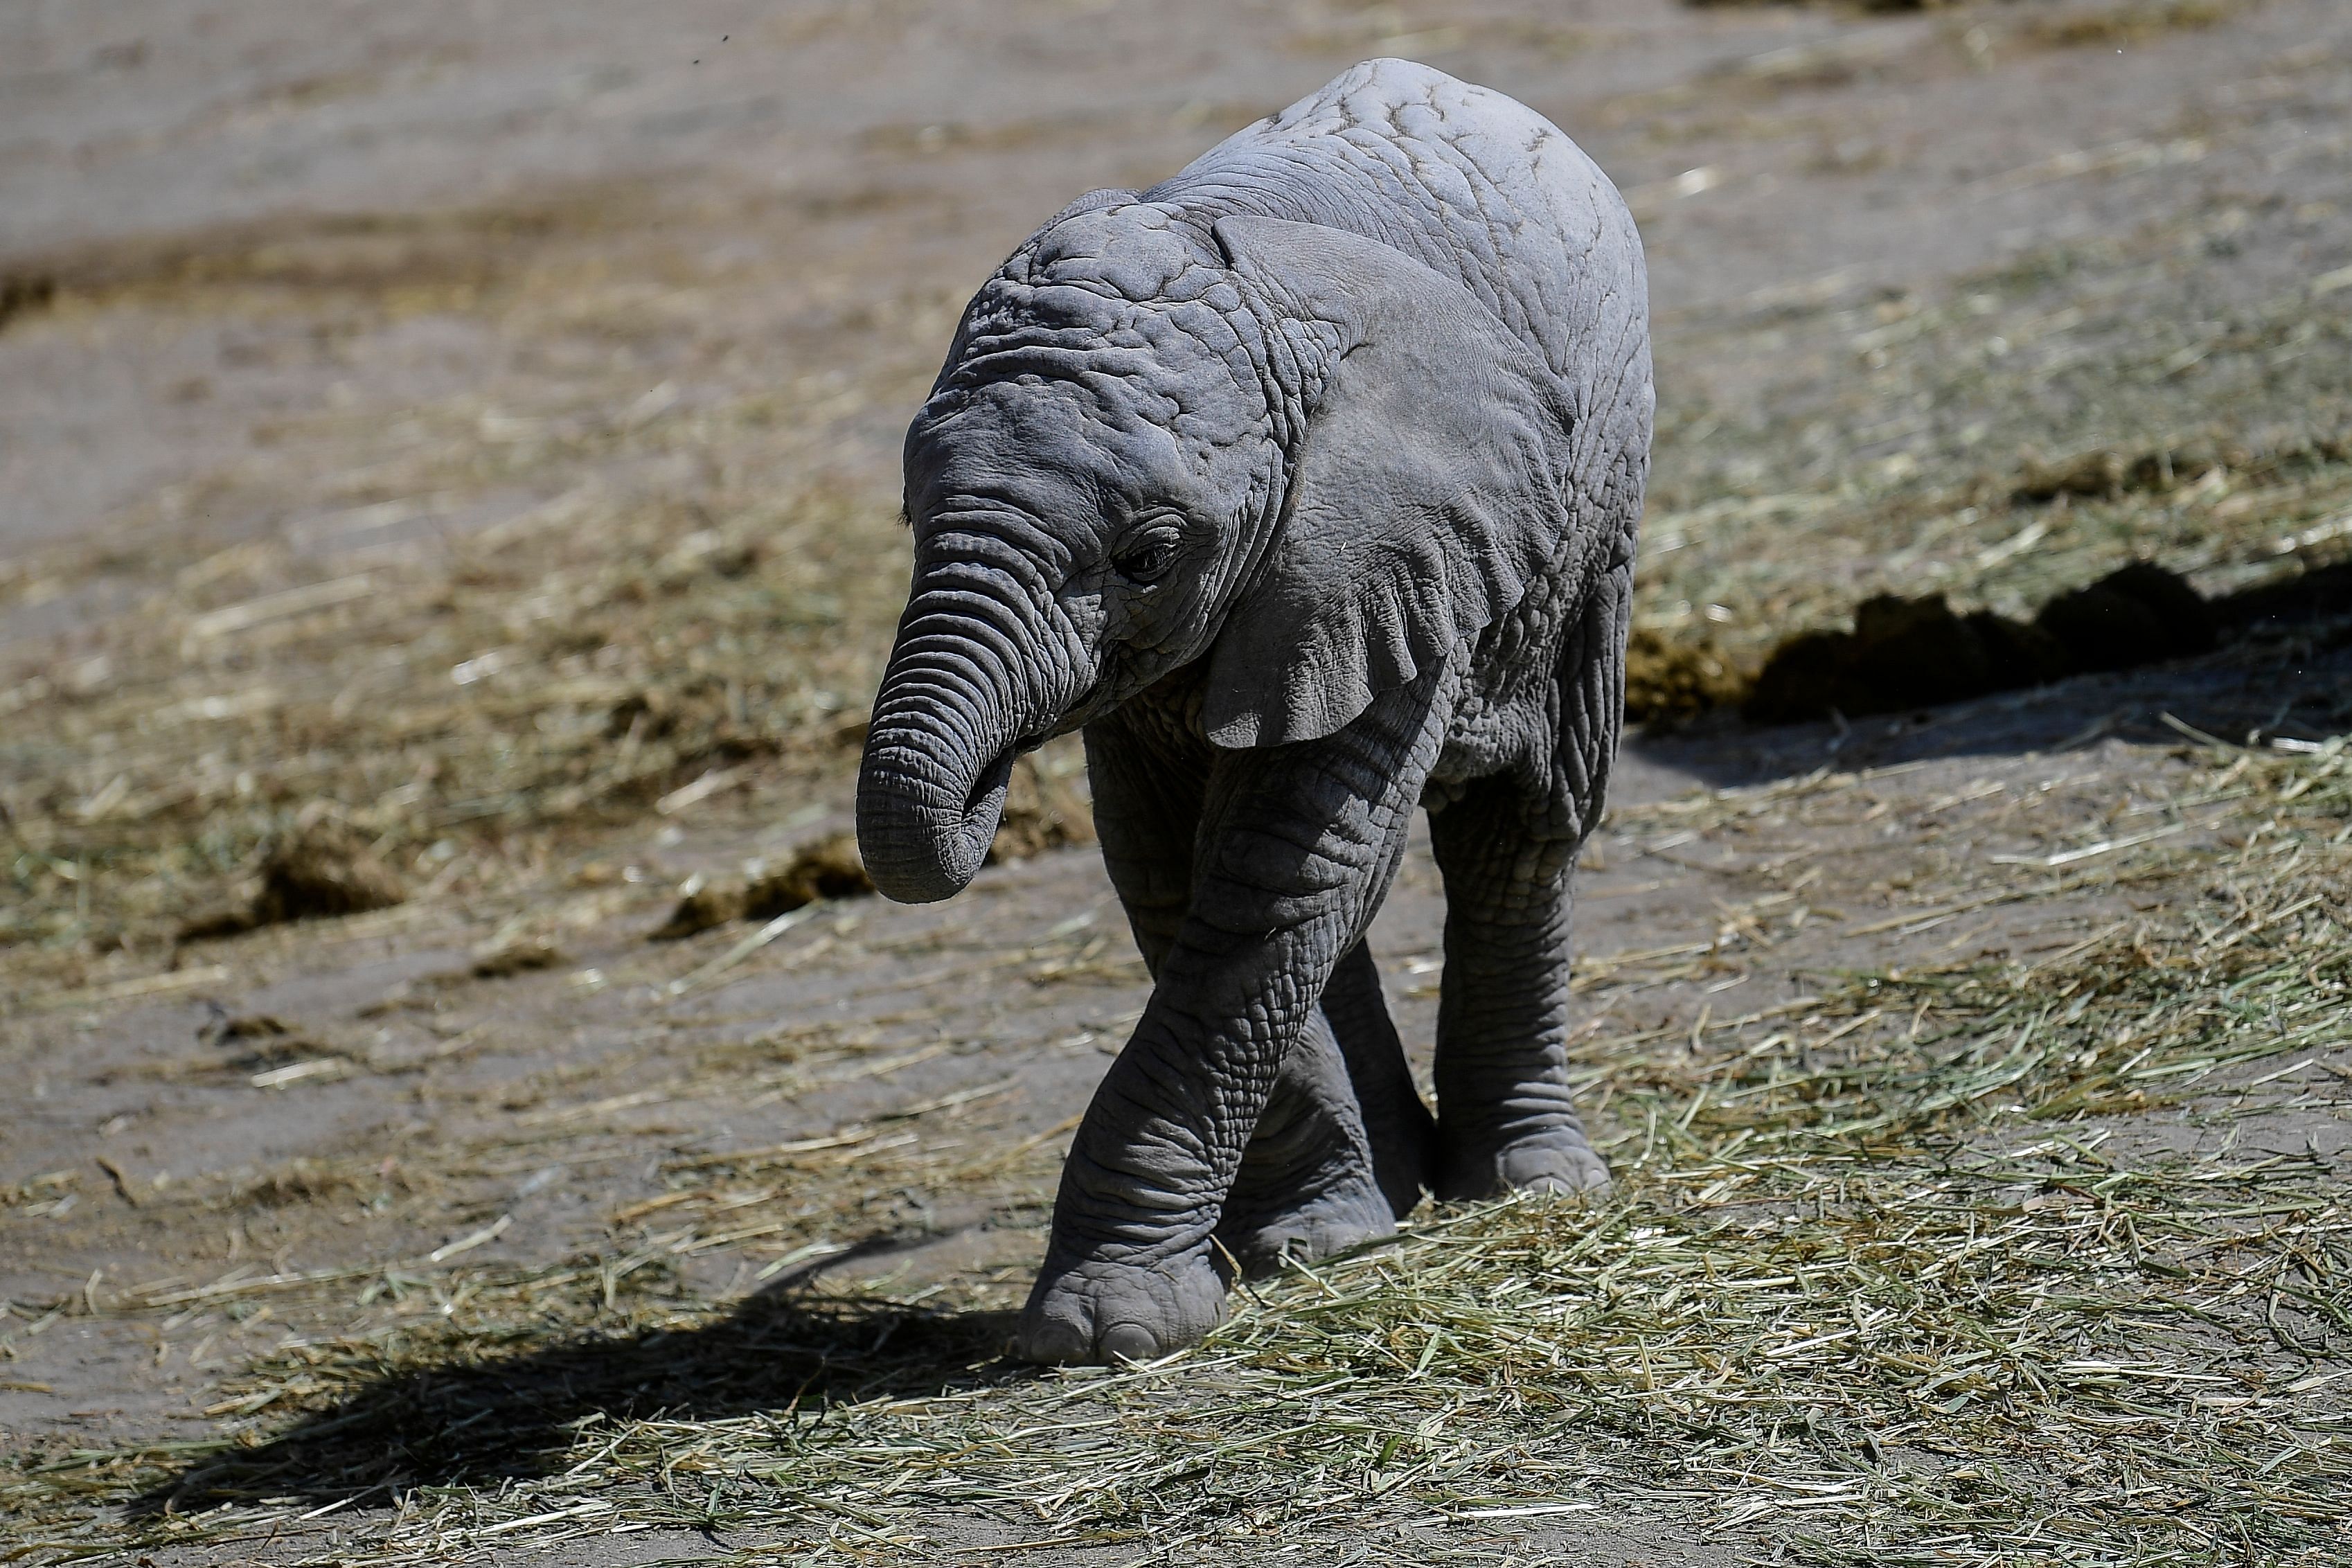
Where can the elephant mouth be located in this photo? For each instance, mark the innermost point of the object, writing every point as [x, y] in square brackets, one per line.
[983, 803]
[985, 800]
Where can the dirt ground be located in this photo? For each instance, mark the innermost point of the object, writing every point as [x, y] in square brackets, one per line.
[480, 426]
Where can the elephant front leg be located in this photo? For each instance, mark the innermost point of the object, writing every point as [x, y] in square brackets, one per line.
[1132, 1270]
[1505, 1118]
[1311, 1180]
[1295, 847]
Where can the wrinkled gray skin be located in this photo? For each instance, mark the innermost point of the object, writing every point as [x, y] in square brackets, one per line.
[1306, 484]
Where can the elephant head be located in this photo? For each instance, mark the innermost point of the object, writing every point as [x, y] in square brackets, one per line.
[1297, 453]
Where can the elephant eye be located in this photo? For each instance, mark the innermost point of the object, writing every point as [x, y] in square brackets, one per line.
[1147, 557]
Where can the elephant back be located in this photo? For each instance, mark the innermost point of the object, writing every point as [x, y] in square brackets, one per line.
[1472, 184]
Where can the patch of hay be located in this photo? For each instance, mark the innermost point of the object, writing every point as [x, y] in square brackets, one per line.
[1879, 1283]
[226, 1027]
[324, 868]
[702, 903]
[2126, 23]
[828, 868]
[1667, 681]
[519, 956]
[1045, 807]
[2109, 473]
[1902, 653]
[22, 295]
[303, 1181]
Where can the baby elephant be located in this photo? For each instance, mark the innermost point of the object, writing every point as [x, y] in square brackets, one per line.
[1306, 483]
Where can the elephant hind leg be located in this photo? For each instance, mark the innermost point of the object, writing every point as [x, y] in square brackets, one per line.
[1403, 1134]
[1506, 1117]
[1308, 1186]
[1345, 1147]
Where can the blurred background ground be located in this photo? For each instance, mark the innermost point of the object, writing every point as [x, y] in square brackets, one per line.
[458, 447]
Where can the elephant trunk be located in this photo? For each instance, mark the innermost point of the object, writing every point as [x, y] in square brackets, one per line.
[977, 676]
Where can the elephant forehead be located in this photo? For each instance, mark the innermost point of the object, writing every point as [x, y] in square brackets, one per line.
[1188, 368]
[1132, 251]
[1121, 277]
[1207, 341]
[1035, 440]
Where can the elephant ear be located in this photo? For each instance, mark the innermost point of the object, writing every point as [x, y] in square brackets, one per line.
[1426, 491]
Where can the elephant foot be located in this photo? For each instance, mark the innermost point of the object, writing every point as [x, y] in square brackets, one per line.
[1106, 1311]
[1306, 1226]
[1557, 1159]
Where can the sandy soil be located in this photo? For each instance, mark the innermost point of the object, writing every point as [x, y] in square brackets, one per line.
[344, 288]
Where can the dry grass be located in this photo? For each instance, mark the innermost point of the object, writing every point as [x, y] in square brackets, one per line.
[472, 699]
[481, 632]
[2040, 426]
[2131, 22]
[320, 869]
[1996, 478]
[576, 666]
[1881, 1282]
[1916, 653]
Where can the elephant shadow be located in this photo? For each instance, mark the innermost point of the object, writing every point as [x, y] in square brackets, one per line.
[473, 1422]
[2282, 665]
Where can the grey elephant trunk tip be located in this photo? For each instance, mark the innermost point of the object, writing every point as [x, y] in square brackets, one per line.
[919, 848]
